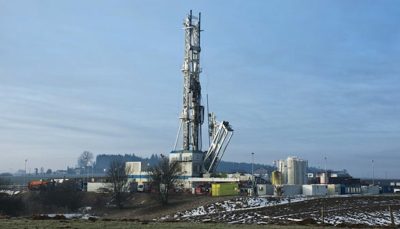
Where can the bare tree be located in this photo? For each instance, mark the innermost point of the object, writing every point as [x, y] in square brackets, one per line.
[117, 176]
[85, 159]
[279, 190]
[164, 176]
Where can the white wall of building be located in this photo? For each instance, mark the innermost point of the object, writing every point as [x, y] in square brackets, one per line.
[99, 187]
[289, 190]
[265, 189]
[190, 161]
[370, 190]
[315, 190]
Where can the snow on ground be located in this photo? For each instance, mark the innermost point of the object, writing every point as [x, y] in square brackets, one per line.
[83, 214]
[70, 215]
[240, 203]
[377, 218]
[10, 192]
[368, 211]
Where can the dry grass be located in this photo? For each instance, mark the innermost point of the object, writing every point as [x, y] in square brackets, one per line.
[18, 223]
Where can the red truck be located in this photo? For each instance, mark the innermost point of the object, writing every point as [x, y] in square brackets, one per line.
[37, 185]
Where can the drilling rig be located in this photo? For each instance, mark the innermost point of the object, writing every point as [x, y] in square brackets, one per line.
[193, 160]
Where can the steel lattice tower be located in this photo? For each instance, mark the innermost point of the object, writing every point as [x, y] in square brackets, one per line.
[193, 112]
[195, 162]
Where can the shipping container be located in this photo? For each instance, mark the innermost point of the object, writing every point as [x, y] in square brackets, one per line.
[288, 190]
[315, 190]
[335, 189]
[224, 189]
[261, 189]
[265, 189]
[370, 190]
[352, 189]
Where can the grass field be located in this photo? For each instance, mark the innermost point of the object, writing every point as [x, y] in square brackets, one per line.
[143, 212]
[77, 224]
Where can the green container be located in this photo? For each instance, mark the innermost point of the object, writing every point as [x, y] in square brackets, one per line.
[224, 189]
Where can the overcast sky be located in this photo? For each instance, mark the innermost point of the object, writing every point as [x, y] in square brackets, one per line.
[312, 79]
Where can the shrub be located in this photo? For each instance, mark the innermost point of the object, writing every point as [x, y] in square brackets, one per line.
[63, 195]
[11, 205]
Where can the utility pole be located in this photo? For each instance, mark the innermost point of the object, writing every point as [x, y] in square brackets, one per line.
[26, 160]
[87, 172]
[323, 215]
[252, 172]
[373, 173]
[252, 164]
[326, 171]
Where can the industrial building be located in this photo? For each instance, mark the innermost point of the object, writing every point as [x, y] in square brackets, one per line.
[293, 170]
[137, 171]
[315, 190]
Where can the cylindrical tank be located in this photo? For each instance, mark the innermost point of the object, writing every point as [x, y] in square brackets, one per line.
[276, 178]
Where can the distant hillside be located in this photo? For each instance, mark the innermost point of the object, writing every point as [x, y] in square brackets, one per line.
[103, 160]
[242, 167]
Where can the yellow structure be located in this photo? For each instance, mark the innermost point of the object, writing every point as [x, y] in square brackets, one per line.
[276, 178]
[224, 189]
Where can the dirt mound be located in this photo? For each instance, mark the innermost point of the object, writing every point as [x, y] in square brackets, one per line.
[92, 219]
[60, 217]
[40, 217]
[46, 217]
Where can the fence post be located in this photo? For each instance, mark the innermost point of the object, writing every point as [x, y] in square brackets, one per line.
[391, 216]
[322, 215]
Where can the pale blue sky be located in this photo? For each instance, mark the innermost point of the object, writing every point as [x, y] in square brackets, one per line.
[305, 78]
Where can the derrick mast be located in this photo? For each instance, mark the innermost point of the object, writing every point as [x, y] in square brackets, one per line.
[193, 161]
[192, 113]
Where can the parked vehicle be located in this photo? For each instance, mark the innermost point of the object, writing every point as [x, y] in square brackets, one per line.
[144, 187]
[37, 185]
[202, 189]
